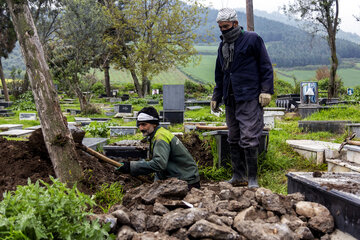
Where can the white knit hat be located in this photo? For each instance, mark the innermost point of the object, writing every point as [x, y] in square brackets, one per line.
[226, 14]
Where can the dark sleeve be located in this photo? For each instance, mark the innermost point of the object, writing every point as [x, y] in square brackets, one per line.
[265, 67]
[161, 153]
[219, 75]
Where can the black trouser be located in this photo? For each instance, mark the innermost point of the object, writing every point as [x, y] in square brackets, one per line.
[245, 122]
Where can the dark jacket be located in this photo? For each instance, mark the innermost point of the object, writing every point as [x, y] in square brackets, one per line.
[250, 73]
[169, 158]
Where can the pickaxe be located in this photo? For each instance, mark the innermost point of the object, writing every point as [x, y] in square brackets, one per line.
[349, 141]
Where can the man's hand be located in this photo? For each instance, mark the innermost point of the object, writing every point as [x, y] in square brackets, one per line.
[125, 168]
[264, 99]
[214, 105]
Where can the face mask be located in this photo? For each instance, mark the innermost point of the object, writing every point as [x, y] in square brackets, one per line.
[228, 30]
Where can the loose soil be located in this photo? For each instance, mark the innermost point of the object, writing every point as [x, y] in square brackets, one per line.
[23, 160]
[199, 149]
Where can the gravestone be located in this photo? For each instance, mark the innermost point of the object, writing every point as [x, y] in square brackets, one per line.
[288, 101]
[337, 127]
[189, 128]
[16, 133]
[94, 143]
[114, 93]
[100, 119]
[153, 102]
[27, 116]
[173, 116]
[6, 113]
[191, 102]
[316, 151]
[129, 119]
[122, 130]
[73, 111]
[123, 108]
[33, 127]
[125, 97]
[112, 100]
[164, 124]
[309, 99]
[5, 104]
[8, 127]
[338, 192]
[173, 96]
[309, 93]
[194, 108]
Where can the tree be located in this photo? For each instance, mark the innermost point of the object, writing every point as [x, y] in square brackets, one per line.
[321, 15]
[152, 36]
[79, 43]
[57, 137]
[7, 41]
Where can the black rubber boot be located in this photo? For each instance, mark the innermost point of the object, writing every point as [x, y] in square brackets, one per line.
[251, 156]
[238, 165]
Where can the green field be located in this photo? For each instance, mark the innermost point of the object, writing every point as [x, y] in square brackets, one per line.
[204, 72]
[121, 76]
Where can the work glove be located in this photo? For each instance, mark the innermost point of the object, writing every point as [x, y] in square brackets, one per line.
[264, 99]
[125, 168]
[214, 105]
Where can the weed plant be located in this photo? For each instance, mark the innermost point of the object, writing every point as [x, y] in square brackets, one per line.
[44, 211]
[109, 195]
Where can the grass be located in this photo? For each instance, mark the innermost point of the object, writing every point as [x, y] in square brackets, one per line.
[346, 113]
[280, 157]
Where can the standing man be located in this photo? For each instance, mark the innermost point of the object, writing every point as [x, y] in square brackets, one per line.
[169, 157]
[244, 80]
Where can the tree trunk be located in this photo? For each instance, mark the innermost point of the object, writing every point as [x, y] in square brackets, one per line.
[6, 94]
[138, 87]
[107, 78]
[58, 139]
[145, 85]
[82, 99]
[26, 83]
[332, 89]
[332, 29]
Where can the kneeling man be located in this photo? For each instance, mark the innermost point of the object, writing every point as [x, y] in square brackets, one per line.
[168, 156]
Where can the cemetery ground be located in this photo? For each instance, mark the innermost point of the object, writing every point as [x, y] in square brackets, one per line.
[26, 158]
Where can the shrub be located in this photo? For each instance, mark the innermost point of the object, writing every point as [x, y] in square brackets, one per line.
[90, 109]
[98, 88]
[49, 212]
[98, 129]
[25, 102]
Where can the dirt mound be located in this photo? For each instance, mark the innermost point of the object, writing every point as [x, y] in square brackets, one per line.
[198, 148]
[23, 160]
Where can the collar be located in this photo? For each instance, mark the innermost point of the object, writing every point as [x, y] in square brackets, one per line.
[153, 133]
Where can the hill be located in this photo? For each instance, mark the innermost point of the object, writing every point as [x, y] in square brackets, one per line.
[288, 46]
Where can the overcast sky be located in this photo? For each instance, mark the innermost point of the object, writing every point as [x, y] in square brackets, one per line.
[347, 9]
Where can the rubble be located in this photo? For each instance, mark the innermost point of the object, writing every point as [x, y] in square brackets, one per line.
[167, 210]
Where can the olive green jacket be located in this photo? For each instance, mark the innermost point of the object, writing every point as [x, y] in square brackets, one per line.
[169, 158]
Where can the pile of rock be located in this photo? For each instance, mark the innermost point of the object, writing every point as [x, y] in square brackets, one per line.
[167, 210]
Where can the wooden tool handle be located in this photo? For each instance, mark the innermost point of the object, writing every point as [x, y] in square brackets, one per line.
[100, 156]
[352, 142]
[211, 127]
[108, 160]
